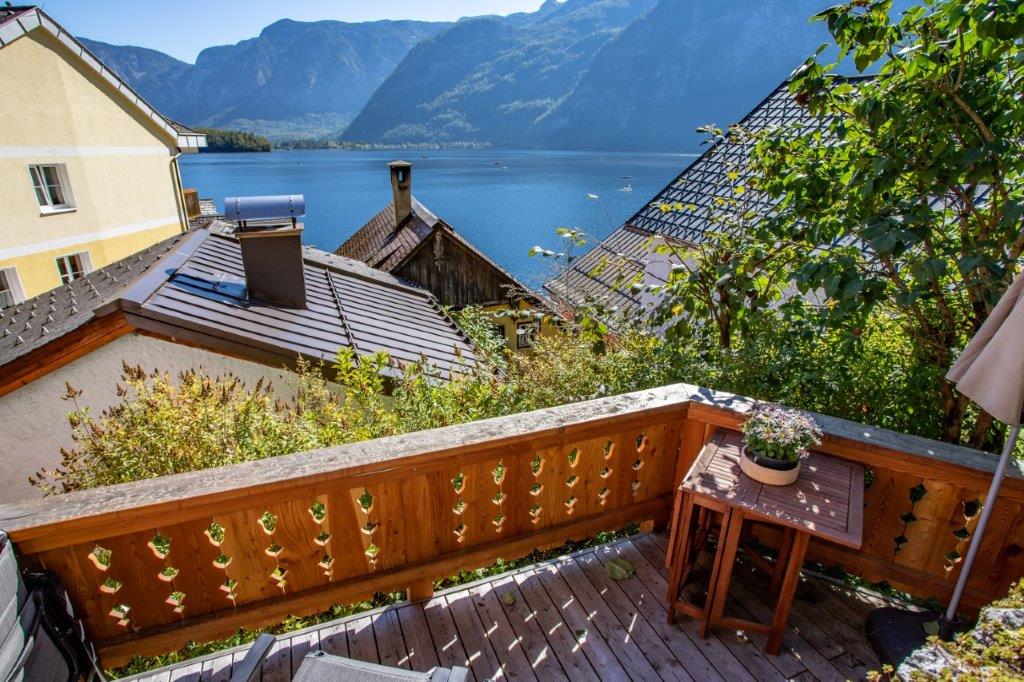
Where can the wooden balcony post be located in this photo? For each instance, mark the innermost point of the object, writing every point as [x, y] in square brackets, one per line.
[420, 590]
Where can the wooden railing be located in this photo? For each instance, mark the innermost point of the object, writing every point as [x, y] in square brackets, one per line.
[191, 197]
[153, 564]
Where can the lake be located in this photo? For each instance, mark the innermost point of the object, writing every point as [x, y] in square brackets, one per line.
[504, 209]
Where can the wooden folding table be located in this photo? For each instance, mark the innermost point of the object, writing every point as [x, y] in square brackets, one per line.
[826, 501]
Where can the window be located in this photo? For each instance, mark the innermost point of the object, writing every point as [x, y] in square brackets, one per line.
[53, 191]
[526, 334]
[73, 266]
[10, 288]
[499, 331]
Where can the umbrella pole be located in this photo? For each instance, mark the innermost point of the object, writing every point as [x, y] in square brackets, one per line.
[948, 622]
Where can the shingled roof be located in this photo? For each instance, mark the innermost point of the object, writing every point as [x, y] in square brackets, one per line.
[49, 316]
[604, 274]
[192, 288]
[381, 246]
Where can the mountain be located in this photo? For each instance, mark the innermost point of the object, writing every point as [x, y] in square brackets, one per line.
[684, 64]
[295, 79]
[488, 79]
[575, 74]
[153, 74]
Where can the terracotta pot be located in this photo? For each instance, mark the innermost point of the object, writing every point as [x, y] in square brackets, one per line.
[767, 470]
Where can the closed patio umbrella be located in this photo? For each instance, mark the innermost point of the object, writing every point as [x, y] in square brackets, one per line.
[990, 371]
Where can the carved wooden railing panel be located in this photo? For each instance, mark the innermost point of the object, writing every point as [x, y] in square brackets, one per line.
[153, 564]
[278, 548]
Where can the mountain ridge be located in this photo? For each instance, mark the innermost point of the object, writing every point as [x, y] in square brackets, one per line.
[638, 75]
[295, 79]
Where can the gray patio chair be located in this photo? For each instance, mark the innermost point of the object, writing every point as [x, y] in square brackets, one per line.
[321, 667]
[40, 638]
[248, 669]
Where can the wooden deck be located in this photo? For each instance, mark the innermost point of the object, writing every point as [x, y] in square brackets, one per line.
[566, 619]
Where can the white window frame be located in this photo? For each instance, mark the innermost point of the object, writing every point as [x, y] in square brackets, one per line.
[10, 274]
[46, 205]
[86, 265]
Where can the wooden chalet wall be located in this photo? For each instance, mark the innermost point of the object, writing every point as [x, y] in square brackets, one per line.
[454, 274]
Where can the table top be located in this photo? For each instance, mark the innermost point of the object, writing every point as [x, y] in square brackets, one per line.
[827, 500]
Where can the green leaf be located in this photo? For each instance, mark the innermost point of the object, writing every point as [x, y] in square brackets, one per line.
[619, 569]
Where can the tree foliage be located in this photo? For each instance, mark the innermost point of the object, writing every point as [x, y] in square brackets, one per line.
[233, 141]
[167, 424]
[736, 272]
[908, 197]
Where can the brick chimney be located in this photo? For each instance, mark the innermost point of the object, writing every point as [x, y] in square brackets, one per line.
[401, 189]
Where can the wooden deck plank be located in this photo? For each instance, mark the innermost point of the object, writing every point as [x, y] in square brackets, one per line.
[747, 649]
[446, 638]
[483, 661]
[599, 620]
[808, 641]
[390, 642]
[418, 642]
[847, 632]
[498, 630]
[562, 641]
[626, 624]
[597, 650]
[277, 667]
[854, 669]
[647, 593]
[539, 634]
[334, 639]
[795, 640]
[301, 645]
[786, 663]
[531, 636]
[361, 644]
[217, 669]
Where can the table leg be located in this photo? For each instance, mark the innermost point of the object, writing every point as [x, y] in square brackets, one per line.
[677, 504]
[721, 574]
[793, 564]
[680, 554]
[779, 572]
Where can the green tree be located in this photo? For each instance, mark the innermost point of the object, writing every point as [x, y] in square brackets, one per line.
[908, 198]
[735, 271]
[233, 141]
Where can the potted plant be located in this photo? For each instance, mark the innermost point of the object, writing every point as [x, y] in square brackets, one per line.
[774, 441]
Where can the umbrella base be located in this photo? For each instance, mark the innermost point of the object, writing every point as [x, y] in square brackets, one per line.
[896, 633]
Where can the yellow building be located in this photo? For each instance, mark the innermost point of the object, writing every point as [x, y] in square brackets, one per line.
[88, 170]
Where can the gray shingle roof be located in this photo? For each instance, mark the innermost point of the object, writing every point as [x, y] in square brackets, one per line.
[49, 316]
[192, 287]
[696, 188]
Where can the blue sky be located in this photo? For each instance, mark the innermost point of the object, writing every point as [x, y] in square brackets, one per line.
[184, 27]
